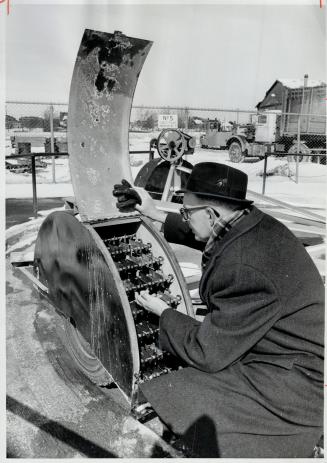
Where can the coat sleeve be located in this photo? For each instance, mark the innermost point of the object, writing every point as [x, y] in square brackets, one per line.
[177, 231]
[243, 306]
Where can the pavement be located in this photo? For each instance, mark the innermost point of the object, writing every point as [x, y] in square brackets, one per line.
[19, 210]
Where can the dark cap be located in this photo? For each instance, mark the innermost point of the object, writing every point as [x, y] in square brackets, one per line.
[218, 181]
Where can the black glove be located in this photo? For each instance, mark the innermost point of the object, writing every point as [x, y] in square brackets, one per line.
[127, 197]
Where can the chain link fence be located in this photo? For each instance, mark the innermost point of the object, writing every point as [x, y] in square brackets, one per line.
[294, 137]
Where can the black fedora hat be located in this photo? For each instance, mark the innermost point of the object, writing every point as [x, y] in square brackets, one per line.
[218, 181]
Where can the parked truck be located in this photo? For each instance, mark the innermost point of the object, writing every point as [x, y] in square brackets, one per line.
[274, 131]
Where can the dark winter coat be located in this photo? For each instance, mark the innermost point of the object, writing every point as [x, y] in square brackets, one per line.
[254, 387]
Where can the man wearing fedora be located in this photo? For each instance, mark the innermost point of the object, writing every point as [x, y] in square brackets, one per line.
[253, 387]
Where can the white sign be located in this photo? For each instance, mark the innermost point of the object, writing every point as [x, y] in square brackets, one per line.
[167, 121]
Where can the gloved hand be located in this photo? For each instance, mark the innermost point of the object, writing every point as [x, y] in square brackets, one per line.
[127, 196]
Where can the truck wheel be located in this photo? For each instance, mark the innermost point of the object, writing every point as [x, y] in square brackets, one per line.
[235, 152]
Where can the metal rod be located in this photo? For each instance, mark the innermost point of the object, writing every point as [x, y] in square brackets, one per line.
[34, 187]
[170, 175]
[139, 152]
[167, 107]
[301, 210]
[36, 102]
[264, 175]
[299, 131]
[34, 280]
[298, 150]
[52, 146]
[47, 155]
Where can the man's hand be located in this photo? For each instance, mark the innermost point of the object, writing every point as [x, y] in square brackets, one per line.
[148, 207]
[127, 196]
[151, 303]
[131, 198]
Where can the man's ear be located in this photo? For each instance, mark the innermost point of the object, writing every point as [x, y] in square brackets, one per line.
[212, 215]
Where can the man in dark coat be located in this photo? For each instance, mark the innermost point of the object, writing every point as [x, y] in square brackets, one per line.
[254, 384]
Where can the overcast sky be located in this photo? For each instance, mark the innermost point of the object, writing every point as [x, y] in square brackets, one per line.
[224, 56]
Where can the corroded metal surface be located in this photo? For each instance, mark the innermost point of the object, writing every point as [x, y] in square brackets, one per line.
[83, 285]
[102, 88]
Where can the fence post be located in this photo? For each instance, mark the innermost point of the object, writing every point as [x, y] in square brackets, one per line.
[264, 174]
[34, 187]
[299, 130]
[52, 146]
[186, 118]
[298, 149]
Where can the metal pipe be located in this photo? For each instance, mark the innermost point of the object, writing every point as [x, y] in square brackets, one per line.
[36, 102]
[305, 83]
[247, 111]
[47, 155]
[52, 146]
[15, 156]
[170, 175]
[34, 187]
[264, 175]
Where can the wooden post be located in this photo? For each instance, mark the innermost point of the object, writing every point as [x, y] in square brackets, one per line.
[52, 146]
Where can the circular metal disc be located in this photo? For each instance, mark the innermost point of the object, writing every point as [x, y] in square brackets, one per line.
[80, 350]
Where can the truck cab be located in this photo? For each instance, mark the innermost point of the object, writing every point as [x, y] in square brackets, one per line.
[216, 134]
[266, 126]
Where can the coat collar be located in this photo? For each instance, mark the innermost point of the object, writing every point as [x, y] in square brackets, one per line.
[248, 221]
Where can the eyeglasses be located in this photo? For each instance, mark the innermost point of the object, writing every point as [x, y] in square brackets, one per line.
[186, 211]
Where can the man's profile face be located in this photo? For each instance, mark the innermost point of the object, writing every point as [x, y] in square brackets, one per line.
[199, 220]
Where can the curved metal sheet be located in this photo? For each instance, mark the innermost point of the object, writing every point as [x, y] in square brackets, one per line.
[101, 93]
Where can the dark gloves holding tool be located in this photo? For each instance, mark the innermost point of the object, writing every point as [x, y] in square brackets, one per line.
[132, 199]
[127, 196]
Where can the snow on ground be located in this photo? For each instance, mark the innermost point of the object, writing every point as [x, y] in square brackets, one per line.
[309, 191]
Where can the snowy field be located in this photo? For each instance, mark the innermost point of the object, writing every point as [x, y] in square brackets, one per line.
[310, 190]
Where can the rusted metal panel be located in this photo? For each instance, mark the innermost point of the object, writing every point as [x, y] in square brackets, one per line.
[83, 284]
[102, 88]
